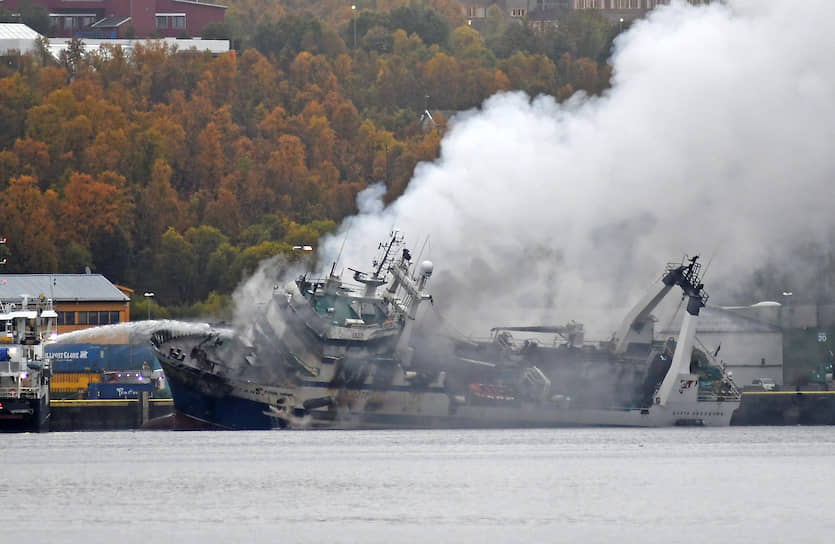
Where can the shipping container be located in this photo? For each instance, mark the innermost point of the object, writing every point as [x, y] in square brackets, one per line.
[100, 357]
[118, 390]
[72, 382]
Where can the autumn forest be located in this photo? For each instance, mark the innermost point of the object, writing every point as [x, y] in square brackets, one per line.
[177, 171]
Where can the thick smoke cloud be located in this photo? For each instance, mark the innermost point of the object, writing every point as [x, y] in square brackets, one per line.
[715, 138]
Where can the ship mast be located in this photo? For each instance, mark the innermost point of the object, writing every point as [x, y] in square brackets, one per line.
[686, 277]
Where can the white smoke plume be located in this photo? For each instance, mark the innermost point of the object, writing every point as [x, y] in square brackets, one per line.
[716, 138]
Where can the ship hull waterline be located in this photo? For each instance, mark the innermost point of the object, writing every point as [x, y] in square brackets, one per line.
[245, 406]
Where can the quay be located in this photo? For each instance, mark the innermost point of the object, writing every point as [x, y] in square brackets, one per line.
[107, 414]
[789, 407]
[786, 407]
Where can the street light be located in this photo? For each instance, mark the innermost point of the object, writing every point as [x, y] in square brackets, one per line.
[620, 26]
[149, 296]
[786, 319]
[354, 11]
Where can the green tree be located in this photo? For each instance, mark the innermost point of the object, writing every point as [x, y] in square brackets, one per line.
[34, 16]
[205, 241]
[423, 21]
[174, 269]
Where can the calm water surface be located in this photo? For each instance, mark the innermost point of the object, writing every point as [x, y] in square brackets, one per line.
[741, 484]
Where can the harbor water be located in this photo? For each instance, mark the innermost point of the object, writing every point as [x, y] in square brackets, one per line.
[738, 484]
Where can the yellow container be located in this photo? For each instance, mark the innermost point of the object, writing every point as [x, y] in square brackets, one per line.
[71, 382]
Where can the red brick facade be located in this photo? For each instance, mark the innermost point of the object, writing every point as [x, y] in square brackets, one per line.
[112, 18]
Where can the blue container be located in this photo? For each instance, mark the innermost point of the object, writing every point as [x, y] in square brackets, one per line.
[118, 390]
[100, 357]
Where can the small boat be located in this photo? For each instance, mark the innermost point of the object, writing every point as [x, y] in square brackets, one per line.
[25, 327]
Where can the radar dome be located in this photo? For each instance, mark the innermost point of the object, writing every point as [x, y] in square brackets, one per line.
[426, 268]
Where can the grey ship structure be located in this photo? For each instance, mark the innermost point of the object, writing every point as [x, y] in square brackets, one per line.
[332, 355]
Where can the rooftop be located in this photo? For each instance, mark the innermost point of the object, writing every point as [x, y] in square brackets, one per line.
[60, 287]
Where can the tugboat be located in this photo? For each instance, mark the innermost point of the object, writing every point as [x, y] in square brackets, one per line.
[25, 327]
[328, 354]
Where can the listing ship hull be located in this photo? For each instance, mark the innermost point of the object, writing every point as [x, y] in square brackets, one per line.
[227, 403]
[323, 354]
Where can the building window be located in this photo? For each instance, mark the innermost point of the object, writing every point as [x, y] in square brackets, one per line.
[66, 318]
[108, 318]
[517, 12]
[167, 21]
[89, 318]
[72, 22]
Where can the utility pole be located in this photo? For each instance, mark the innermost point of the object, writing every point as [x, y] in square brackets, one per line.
[354, 11]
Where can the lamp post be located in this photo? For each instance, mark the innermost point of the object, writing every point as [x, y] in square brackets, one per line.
[786, 320]
[149, 296]
[354, 11]
[620, 25]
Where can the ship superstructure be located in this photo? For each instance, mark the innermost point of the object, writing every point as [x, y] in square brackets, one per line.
[25, 327]
[328, 354]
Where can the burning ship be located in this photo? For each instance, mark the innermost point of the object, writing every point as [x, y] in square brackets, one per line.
[336, 355]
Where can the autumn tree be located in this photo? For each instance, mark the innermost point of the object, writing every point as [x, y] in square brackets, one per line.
[15, 98]
[29, 227]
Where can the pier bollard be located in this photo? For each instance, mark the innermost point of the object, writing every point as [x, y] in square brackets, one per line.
[144, 408]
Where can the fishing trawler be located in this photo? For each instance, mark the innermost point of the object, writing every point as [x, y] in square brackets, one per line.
[329, 354]
[25, 327]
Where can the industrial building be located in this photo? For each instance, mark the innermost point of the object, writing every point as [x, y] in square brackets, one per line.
[747, 339]
[81, 300]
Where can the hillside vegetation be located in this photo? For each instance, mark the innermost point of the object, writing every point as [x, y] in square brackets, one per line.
[177, 172]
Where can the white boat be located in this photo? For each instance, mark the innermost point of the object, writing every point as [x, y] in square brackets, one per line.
[25, 327]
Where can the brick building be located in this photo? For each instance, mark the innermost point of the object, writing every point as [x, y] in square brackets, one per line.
[113, 18]
[541, 13]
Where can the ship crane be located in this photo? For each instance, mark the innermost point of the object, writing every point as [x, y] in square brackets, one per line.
[636, 327]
